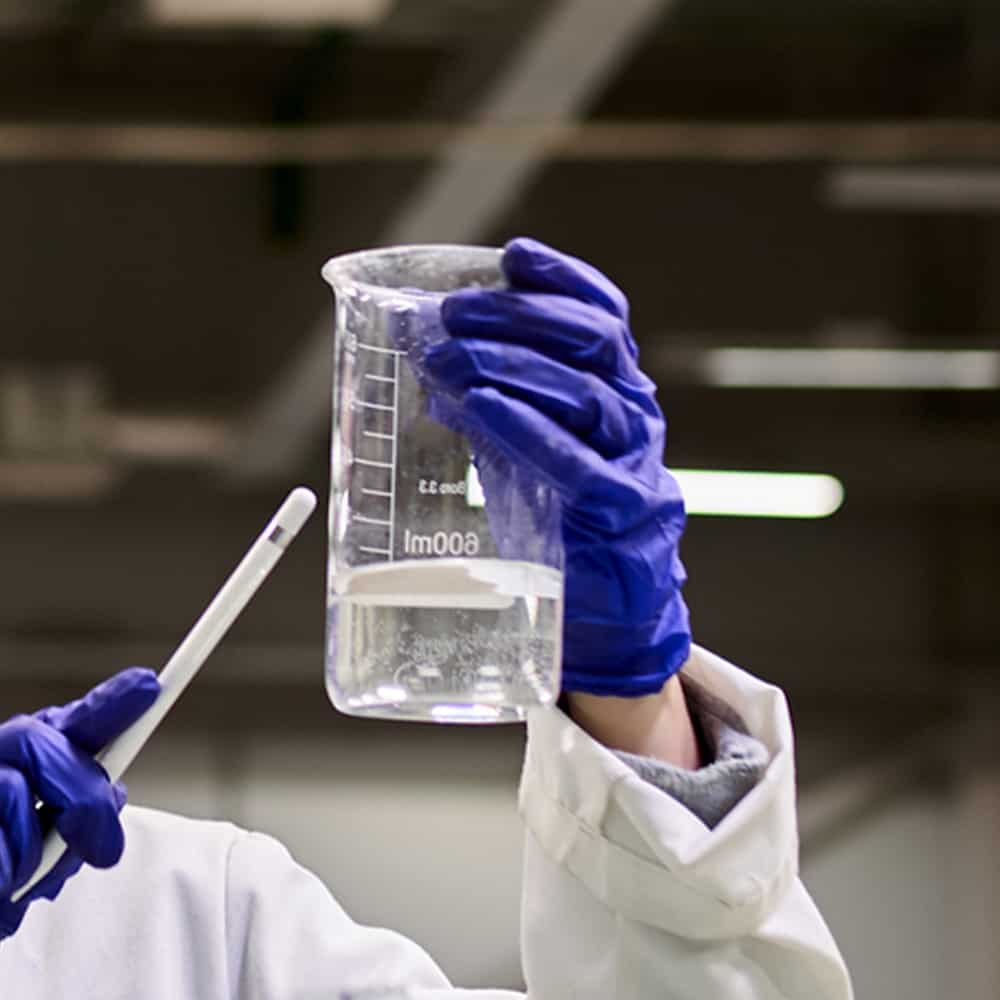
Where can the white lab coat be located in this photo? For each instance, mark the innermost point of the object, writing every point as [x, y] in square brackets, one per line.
[627, 896]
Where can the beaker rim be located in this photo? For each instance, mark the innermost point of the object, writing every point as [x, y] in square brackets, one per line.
[351, 268]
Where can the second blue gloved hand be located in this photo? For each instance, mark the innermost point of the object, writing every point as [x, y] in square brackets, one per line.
[547, 373]
[48, 757]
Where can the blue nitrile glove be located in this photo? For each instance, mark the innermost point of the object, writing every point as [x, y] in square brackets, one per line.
[49, 757]
[547, 373]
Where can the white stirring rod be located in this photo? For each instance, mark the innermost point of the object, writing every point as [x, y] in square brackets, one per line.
[195, 648]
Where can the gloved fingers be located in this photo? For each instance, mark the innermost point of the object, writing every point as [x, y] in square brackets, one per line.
[531, 440]
[106, 711]
[20, 833]
[600, 496]
[71, 782]
[531, 265]
[579, 401]
[576, 333]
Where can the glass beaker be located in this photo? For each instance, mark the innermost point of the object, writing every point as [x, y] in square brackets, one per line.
[441, 606]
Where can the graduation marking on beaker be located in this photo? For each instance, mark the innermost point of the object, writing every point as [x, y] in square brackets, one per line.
[378, 447]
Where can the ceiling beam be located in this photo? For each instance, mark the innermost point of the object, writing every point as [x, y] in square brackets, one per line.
[543, 136]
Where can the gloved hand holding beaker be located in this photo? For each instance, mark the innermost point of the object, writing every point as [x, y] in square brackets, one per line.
[547, 373]
[48, 758]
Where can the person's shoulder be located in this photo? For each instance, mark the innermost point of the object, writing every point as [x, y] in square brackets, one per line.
[157, 838]
[154, 839]
[141, 821]
[174, 870]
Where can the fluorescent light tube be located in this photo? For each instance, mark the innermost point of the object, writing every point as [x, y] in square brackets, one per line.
[850, 368]
[294, 13]
[55, 480]
[739, 494]
[182, 438]
[723, 493]
[915, 188]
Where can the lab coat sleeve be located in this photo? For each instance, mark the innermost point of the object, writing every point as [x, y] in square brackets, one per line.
[628, 895]
[288, 938]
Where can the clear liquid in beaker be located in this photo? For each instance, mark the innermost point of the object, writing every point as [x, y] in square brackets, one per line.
[446, 640]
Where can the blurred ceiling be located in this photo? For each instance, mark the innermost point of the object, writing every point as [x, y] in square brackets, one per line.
[169, 194]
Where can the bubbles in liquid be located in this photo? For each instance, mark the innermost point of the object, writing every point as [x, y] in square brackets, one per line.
[470, 640]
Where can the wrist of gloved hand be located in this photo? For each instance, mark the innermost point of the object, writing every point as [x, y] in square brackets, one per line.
[605, 658]
[627, 629]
